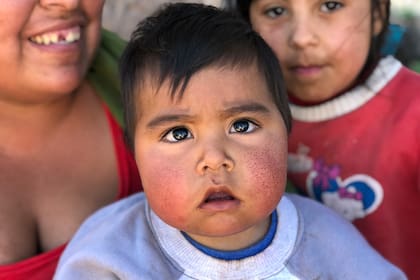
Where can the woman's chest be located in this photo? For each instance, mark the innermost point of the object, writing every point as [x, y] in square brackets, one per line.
[44, 197]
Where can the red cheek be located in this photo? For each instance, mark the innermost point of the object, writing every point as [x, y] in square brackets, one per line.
[268, 172]
[158, 179]
[163, 185]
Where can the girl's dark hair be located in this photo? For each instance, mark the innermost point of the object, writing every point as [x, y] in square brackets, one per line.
[181, 39]
[379, 8]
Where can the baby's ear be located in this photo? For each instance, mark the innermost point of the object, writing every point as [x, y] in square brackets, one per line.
[379, 15]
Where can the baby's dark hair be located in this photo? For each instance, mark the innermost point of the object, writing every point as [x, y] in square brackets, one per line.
[181, 39]
[379, 8]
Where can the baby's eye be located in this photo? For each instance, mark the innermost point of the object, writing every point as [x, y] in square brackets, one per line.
[243, 126]
[274, 12]
[330, 6]
[177, 134]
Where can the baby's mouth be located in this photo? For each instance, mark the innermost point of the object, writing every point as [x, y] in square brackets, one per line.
[219, 200]
[66, 36]
[218, 196]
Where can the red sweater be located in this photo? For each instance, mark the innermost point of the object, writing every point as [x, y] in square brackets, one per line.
[42, 267]
[360, 154]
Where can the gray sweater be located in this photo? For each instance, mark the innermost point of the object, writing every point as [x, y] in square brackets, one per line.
[126, 240]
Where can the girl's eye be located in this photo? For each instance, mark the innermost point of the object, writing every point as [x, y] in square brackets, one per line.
[243, 126]
[330, 6]
[274, 12]
[177, 134]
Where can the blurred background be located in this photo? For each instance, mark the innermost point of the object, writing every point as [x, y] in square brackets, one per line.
[407, 14]
[121, 16]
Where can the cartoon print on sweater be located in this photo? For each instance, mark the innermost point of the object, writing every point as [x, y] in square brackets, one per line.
[353, 197]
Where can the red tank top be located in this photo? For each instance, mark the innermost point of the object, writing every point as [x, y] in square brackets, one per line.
[42, 266]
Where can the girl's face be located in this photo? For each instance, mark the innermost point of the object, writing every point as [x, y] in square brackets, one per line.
[213, 164]
[322, 45]
[46, 46]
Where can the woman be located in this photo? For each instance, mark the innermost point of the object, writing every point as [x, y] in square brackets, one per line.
[62, 154]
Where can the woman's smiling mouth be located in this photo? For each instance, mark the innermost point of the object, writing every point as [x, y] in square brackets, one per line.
[66, 36]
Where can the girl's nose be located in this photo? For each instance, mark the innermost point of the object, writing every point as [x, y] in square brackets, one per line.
[303, 33]
[214, 158]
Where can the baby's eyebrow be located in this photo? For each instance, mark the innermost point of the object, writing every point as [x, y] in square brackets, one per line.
[246, 108]
[161, 120]
[231, 111]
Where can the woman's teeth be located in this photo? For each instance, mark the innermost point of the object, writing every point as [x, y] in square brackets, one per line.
[56, 38]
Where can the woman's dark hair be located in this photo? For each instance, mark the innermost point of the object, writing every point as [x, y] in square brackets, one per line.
[181, 39]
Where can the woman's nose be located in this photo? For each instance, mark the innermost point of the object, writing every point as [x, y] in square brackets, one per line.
[63, 4]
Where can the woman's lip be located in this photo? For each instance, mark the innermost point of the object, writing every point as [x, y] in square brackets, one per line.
[56, 27]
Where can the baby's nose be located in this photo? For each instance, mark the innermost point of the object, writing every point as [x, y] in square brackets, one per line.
[214, 157]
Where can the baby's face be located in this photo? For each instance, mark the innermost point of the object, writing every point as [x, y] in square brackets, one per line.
[213, 164]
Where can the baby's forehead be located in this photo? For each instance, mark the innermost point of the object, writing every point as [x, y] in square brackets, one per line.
[174, 85]
[219, 86]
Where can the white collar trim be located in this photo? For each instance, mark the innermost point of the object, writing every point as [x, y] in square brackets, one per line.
[386, 70]
[180, 252]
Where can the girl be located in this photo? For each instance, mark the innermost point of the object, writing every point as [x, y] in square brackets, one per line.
[355, 144]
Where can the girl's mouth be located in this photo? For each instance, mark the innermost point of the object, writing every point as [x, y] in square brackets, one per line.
[306, 70]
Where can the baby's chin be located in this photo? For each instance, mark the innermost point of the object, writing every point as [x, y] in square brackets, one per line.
[231, 237]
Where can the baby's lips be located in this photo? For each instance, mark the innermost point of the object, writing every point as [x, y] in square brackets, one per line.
[218, 196]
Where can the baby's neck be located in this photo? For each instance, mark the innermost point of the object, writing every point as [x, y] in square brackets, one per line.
[237, 246]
